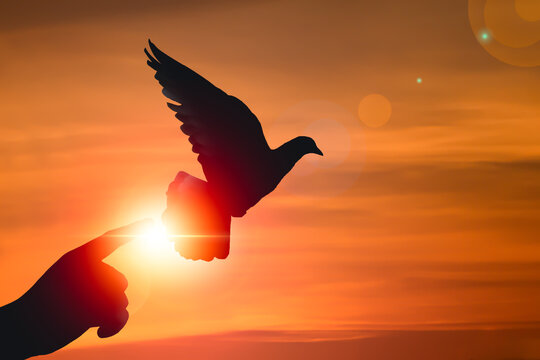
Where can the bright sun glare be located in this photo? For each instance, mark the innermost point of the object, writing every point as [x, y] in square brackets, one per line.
[156, 240]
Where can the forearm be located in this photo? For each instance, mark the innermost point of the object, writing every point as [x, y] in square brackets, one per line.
[15, 343]
[30, 327]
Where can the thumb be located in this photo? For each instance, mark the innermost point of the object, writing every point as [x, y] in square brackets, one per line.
[107, 243]
[113, 324]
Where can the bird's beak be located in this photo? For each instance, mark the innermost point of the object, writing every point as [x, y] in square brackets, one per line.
[317, 151]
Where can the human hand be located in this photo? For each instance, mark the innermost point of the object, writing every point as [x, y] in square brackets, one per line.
[199, 228]
[76, 293]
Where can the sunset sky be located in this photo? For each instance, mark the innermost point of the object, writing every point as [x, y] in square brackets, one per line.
[421, 224]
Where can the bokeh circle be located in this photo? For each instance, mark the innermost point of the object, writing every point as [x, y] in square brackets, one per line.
[509, 30]
[375, 110]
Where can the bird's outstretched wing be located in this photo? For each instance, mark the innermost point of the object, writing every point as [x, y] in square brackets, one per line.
[227, 136]
[179, 82]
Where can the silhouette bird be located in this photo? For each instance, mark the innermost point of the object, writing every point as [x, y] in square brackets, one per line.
[239, 166]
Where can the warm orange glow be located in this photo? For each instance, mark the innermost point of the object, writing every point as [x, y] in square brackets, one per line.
[425, 217]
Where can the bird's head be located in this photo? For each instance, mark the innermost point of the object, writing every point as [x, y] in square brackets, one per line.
[303, 145]
[289, 153]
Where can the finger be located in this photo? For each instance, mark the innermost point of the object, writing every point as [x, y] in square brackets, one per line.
[124, 302]
[106, 305]
[108, 295]
[113, 324]
[112, 280]
[106, 244]
[105, 292]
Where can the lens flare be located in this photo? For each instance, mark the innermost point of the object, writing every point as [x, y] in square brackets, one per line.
[484, 36]
[529, 10]
[155, 240]
[147, 256]
[375, 110]
[509, 30]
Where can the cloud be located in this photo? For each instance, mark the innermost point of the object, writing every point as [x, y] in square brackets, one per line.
[500, 198]
[432, 283]
[31, 13]
[453, 177]
[325, 344]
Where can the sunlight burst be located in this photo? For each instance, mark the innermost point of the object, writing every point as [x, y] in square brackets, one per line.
[156, 240]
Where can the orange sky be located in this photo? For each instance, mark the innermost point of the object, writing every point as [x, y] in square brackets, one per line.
[430, 221]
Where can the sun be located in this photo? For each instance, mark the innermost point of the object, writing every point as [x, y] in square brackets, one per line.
[155, 239]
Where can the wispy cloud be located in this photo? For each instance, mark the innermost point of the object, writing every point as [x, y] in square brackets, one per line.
[350, 344]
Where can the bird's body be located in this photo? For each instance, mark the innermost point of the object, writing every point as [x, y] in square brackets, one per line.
[239, 166]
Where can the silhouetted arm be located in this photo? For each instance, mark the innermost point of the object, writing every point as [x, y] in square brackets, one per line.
[12, 331]
[77, 292]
